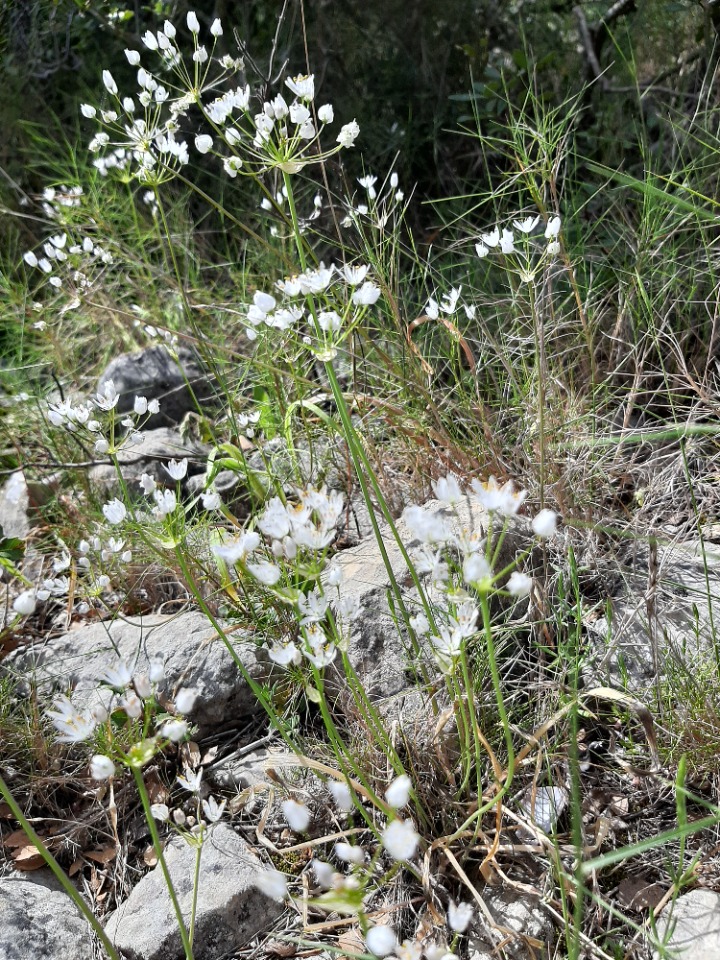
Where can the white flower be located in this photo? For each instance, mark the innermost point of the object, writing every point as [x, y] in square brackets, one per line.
[156, 671]
[175, 730]
[324, 873]
[366, 295]
[507, 243]
[297, 815]
[348, 134]
[101, 768]
[447, 489]
[216, 28]
[239, 548]
[329, 320]
[160, 811]
[114, 512]
[527, 225]
[491, 239]
[368, 183]
[118, 676]
[109, 82]
[147, 483]
[140, 406]
[284, 654]
[150, 41]
[191, 781]
[302, 86]
[185, 700]
[272, 883]
[169, 30]
[87, 110]
[398, 793]
[354, 275]
[481, 250]
[545, 523]
[25, 603]
[266, 572]
[476, 569]
[200, 55]
[552, 228]
[133, 58]
[165, 503]
[449, 302]
[177, 468]
[426, 527]
[420, 624]
[326, 114]
[231, 166]
[459, 916]
[341, 795]
[349, 854]
[203, 142]
[212, 809]
[73, 726]
[519, 584]
[381, 940]
[553, 248]
[211, 500]
[193, 24]
[400, 839]
[501, 499]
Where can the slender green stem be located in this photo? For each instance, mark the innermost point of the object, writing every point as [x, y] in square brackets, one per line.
[157, 845]
[58, 871]
[196, 886]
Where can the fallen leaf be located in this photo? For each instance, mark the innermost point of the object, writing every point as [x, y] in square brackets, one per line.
[103, 855]
[351, 941]
[18, 838]
[27, 858]
[190, 755]
[277, 948]
[75, 867]
[639, 893]
[5, 811]
[150, 857]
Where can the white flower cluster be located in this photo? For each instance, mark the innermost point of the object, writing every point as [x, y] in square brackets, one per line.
[524, 247]
[69, 263]
[76, 415]
[142, 135]
[125, 688]
[459, 564]
[342, 288]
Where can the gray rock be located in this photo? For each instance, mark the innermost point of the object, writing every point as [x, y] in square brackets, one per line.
[658, 619]
[379, 650]
[230, 909]
[194, 657]
[39, 921]
[150, 456]
[180, 384]
[692, 927]
[518, 923]
[14, 506]
[314, 462]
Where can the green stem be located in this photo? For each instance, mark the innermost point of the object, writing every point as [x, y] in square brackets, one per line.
[58, 871]
[157, 845]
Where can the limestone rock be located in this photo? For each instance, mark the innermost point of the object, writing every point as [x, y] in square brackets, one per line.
[38, 920]
[154, 373]
[519, 923]
[658, 618]
[379, 651]
[695, 925]
[150, 456]
[230, 909]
